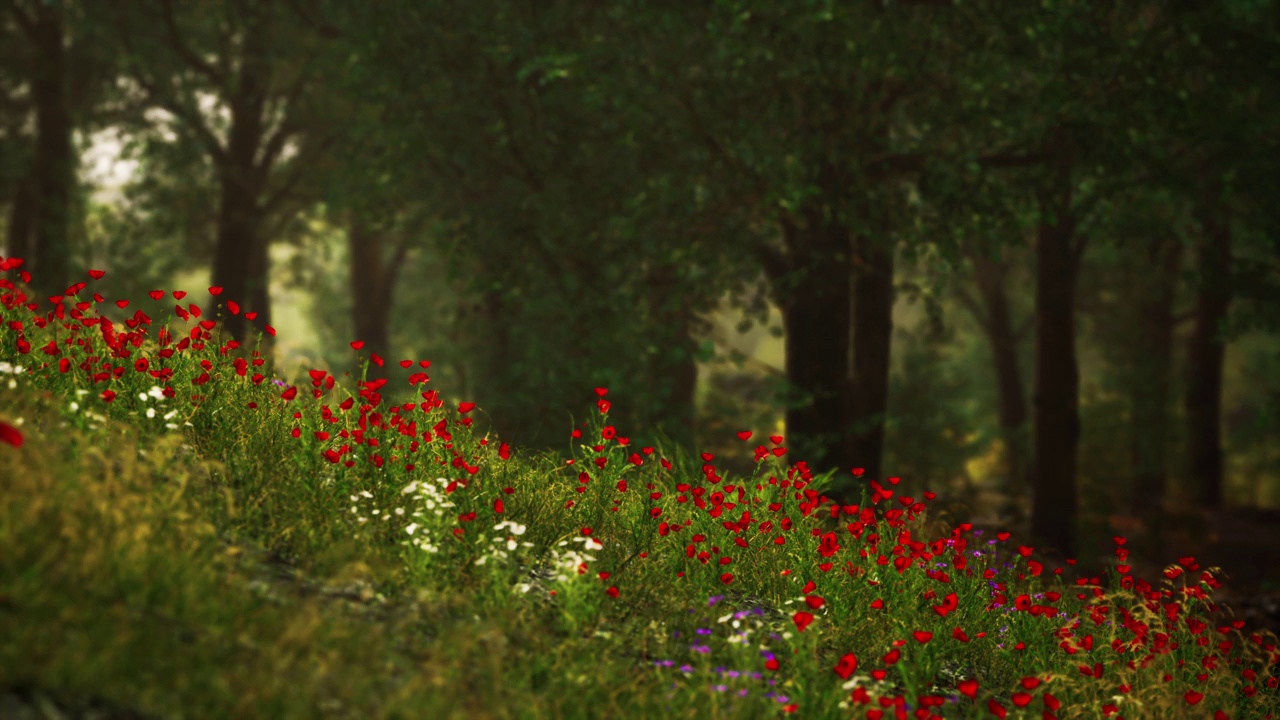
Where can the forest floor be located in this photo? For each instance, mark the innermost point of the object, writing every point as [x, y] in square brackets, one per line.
[1243, 542]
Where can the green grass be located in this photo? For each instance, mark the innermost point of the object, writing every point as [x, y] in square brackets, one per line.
[184, 536]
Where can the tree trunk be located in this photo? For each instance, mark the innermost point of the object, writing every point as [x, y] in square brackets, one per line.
[21, 241]
[997, 322]
[1056, 401]
[676, 367]
[868, 399]
[492, 373]
[1205, 354]
[816, 316]
[372, 290]
[240, 264]
[684, 378]
[53, 167]
[368, 289]
[259, 280]
[1152, 370]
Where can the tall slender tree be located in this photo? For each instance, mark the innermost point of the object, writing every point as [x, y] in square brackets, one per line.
[994, 314]
[52, 171]
[517, 139]
[237, 81]
[1055, 87]
[812, 152]
[1205, 350]
[54, 56]
[1214, 78]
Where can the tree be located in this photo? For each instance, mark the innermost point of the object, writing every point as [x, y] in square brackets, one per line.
[239, 84]
[571, 269]
[1036, 99]
[1216, 68]
[1131, 299]
[1205, 351]
[994, 314]
[812, 152]
[373, 279]
[65, 72]
[1152, 386]
[16, 144]
[51, 177]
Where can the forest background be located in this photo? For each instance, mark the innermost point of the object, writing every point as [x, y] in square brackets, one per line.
[1022, 254]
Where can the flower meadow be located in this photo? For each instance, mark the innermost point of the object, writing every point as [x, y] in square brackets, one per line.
[188, 535]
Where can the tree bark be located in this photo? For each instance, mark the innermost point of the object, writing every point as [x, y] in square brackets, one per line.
[491, 374]
[238, 262]
[21, 240]
[1055, 498]
[816, 317]
[240, 265]
[1152, 372]
[997, 322]
[677, 363]
[1205, 354]
[53, 168]
[868, 399]
[372, 290]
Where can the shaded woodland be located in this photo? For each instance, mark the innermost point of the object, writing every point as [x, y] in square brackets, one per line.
[1023, 254]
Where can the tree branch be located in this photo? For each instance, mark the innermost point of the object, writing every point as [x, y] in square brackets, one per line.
[188, 56]
[189, 117]
[776, 264]
[894, 165]
[157, 99]
[685, 101]
[1013, 160]
[1080, 210]
[895, 92]
[967, 300]
[27, 23]
[1024, 328]
[284, 191]
[274, 146]
[289, 125]
[322, 27]
[397, 261]
[529, 174]
[298, 170]
[13, 107]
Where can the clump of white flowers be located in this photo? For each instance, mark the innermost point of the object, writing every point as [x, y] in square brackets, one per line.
[156, 393]
[8, 369]
[564, 565]
[75, 407]
[427, 497]
[505, 543]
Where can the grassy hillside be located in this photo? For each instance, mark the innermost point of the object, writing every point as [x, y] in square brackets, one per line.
[187, 536]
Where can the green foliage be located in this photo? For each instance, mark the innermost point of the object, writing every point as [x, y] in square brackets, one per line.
[216, 537]
[553, 226]
[580, 184]
[1249, 429]
[935, 412]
